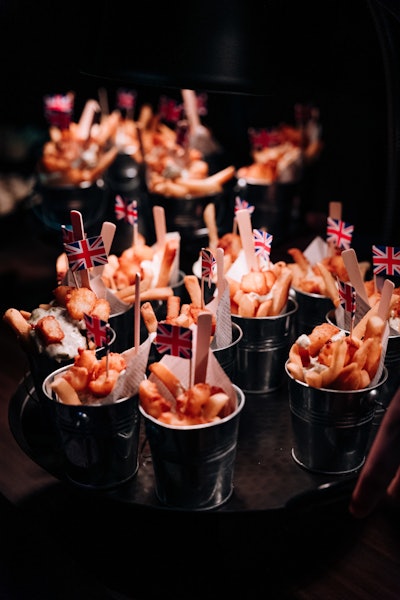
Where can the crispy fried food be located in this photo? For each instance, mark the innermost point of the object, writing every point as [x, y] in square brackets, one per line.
[49, 330]
[90, 377]
[80, 301]
[261, 293]
[149, 317]
[327, 360]
[165, 375]
[193, 288]
[65, 392]
[170, 251]
[201, 403]
[20, 326]
[331, 289]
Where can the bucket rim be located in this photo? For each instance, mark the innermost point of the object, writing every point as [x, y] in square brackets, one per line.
[241, 402]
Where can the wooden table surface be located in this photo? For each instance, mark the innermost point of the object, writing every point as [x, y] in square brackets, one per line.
[60, 542]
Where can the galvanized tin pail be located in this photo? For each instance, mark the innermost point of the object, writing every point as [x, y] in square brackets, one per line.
[331, 428]
[194, 465]
[263, 350]
[100, 442]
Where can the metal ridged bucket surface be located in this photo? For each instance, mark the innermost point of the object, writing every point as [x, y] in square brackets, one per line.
[331, 428]
[263, 350]
[194, 466]
[100, 443]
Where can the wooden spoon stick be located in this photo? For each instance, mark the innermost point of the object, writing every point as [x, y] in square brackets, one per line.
[246, 235]
[204, 321]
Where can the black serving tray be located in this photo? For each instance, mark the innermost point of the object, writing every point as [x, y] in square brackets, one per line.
[266, 476]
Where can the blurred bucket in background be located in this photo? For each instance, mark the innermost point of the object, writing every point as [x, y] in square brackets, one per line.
[276, 206]
[51, 206]
[194, 465]
[312, 309]
[331, 428]
[227, 356]
[99, 442]
[185, 215]
[263, 350]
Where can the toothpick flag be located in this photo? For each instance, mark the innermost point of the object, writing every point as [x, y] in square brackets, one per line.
[58, 110]
[339, 233]
[126, 211]
[208, 265]
[126, 99]
[98, 331]
[86, 253]
[173, 339]
[169, 110]
[241, 204]
[262, 243]
[386, 259]
[347, 295]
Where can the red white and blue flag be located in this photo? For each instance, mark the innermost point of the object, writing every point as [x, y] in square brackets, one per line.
[386, 259]
[126, 211]
[262, 243]
[97, 330]
[339, 233]
[58, 110]
[347, 295]
[126, 99]
[208, 265]
[67, 234]
[241, 204]
[86, 253]
[169, 110]
[173, 339]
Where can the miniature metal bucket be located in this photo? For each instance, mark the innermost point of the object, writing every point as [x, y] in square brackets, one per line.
[263, 350]
[227, 355]
[194, 466]
[331, 428]
[99, 442]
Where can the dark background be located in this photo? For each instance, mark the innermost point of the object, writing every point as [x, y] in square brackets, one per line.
[335, 64]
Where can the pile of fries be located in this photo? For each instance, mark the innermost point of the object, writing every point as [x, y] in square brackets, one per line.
[89, 378]
[73, 158]
[328, 358]
[201, 403]
[262, 293]
[57, 326]
[178, 313]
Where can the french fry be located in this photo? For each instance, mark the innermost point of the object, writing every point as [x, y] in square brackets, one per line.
[167, 377]
[170, 251]
[20, 326]
[331, 289]
[65, 392]
[149, 317]
[193, 288]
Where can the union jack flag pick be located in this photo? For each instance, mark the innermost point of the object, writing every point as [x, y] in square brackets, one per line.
[86, 253]
[347, 295]
[173, 339]
[339, 233]
[262, 243]
[126, 211]
[386, 259]
[97, 330]
[243, 205]
[208, 263]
